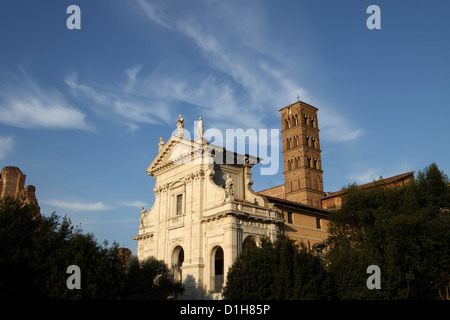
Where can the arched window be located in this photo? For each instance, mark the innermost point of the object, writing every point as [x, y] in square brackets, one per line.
[249, 242]
[312, 122]
[308, 159]
[217, 270]
[177, 263]
[320, 248]
[306, 120]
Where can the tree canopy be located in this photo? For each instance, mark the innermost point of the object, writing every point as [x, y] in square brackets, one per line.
[150, 279]
[278, 270]
[403, 230]
[36, 251]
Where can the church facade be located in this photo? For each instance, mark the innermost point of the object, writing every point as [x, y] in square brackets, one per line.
[206, 212]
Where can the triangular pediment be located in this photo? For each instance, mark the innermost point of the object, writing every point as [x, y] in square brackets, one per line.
[174, 152]
[177, 151]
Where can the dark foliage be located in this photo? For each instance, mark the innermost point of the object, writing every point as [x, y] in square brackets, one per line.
[277, 270]
[36, 251]
[403, 230]
[150, 279]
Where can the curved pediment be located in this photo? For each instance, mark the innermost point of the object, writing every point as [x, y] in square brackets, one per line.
[177, 184]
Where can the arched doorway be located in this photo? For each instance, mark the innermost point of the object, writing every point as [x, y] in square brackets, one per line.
[177, 263]
[249, 242]
[320, 248]
[217, 270]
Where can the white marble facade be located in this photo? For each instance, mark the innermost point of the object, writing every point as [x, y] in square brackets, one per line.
[204, 212]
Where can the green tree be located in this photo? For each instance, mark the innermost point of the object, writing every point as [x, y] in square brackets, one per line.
[17, 230]
[36, 251]
[150, 279]
[403, 230]
[278, 270]
[433, 187]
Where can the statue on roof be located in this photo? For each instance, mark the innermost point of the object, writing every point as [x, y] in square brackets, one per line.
[200, 129]
[180, 126]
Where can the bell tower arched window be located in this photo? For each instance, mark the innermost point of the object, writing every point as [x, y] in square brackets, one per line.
[288, 123]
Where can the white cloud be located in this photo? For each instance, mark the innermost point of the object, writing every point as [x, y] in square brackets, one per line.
[47, 112]
[335, 127]
[6, 145]
[78, 206]
[27, 105]
[135, 204]
[365, 176]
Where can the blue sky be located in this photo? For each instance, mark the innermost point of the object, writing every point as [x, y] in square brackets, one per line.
[81, 111]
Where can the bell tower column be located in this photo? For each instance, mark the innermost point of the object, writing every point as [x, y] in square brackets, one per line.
[301, 154]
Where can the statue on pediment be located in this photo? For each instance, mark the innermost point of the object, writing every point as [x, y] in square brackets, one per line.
[143, 214]
[160, 144]
[229, 187]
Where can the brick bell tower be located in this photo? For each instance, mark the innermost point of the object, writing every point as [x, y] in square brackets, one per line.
[301, 154]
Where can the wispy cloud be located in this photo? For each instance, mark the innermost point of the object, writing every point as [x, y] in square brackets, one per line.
[237, 82]
[334, 127]
[245, 75]
[123, 104]
[24, 104]
[151, 11]
[365, 176]
[6, 145]
[78, 206]
[132, 74]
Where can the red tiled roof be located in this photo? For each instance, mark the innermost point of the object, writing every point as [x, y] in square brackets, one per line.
[389, 180]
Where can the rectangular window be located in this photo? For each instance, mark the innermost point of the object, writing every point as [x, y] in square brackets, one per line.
[289, 217]
[318, 224]
[179, 204]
